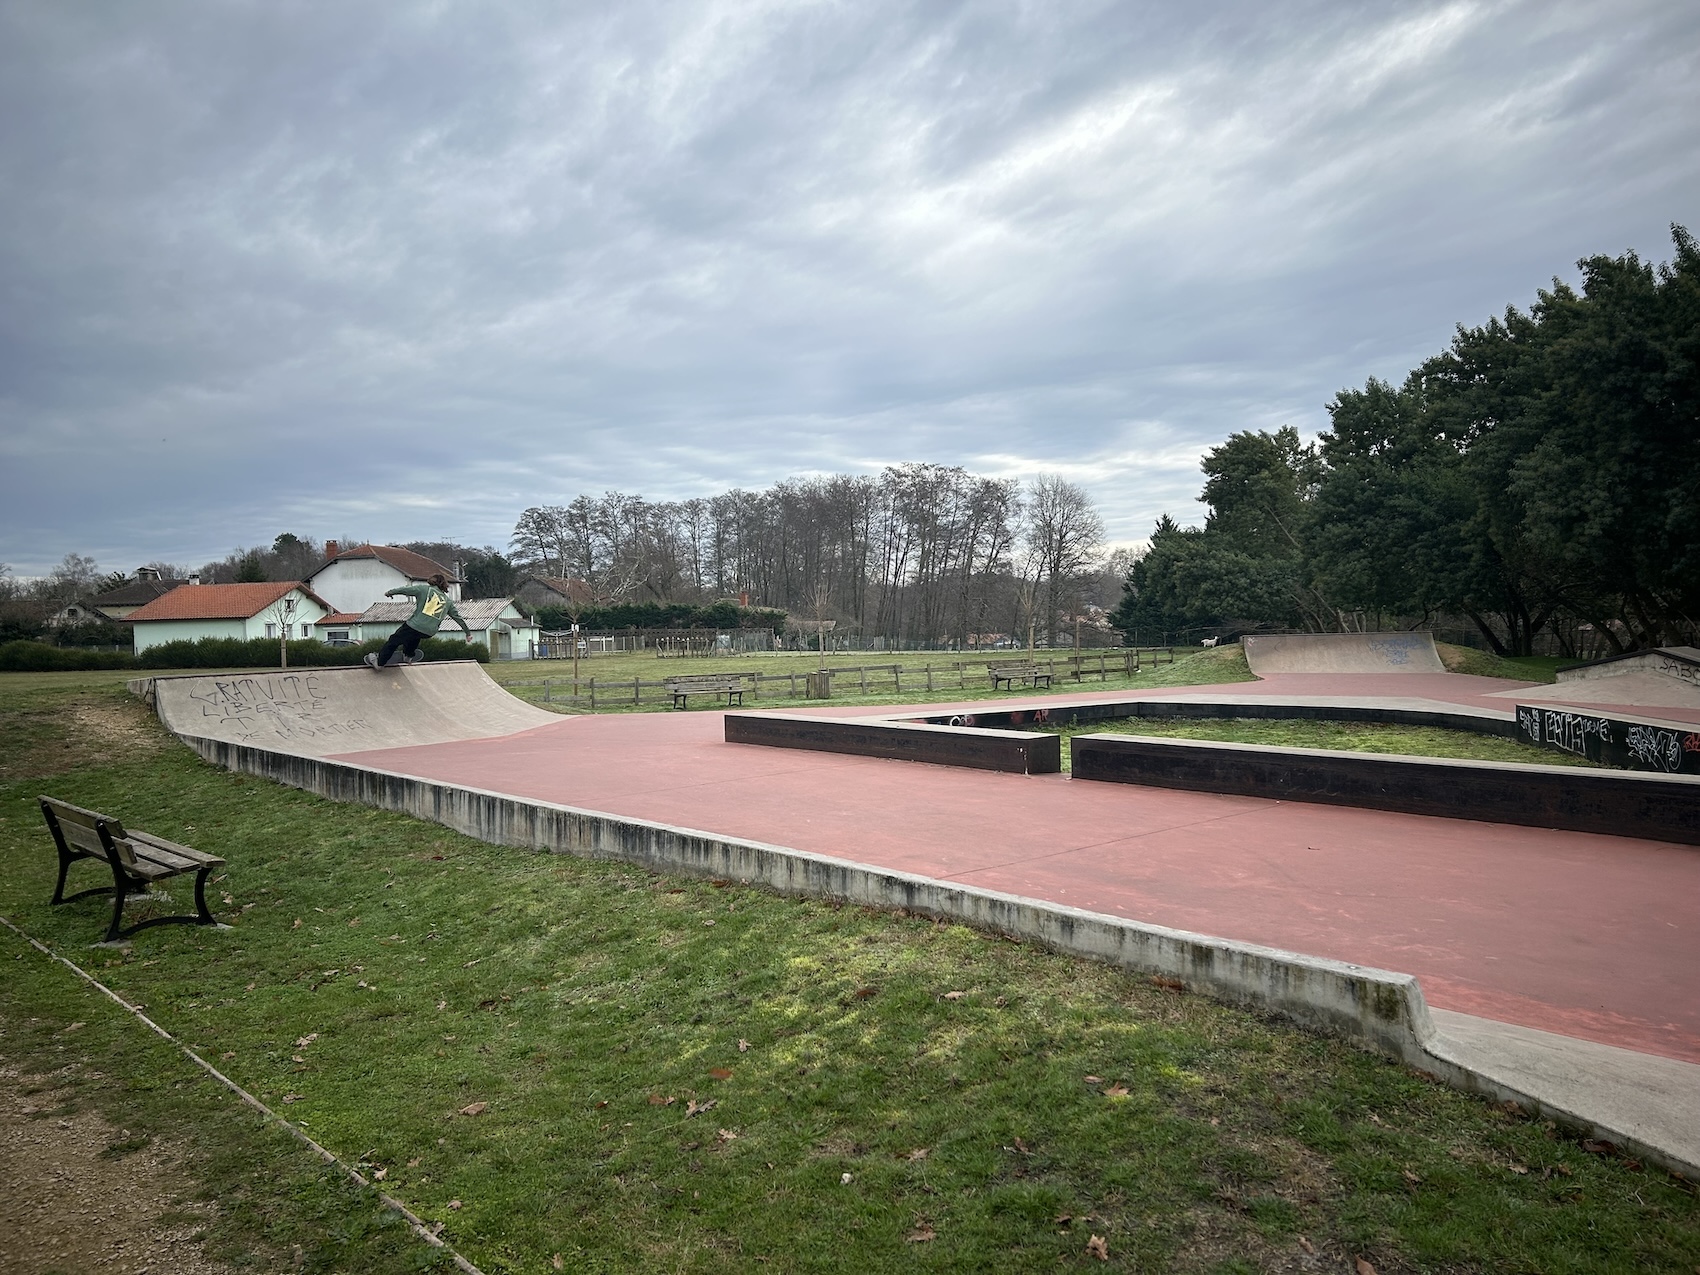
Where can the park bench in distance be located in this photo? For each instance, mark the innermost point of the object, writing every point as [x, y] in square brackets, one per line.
[727, 684]
[1009, 674]
[136, 859]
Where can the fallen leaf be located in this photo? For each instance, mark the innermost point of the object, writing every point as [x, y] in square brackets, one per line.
[378, 1175]
[1097, 1246]
[657, 1100]
[557, 1263]
[1307, 1246]
[455, 1205]
[1022, 1147]
[743, 1046]
[695, 1108]
[1167, 984]
[474, 1109]
[441, 1005]
[1595, 1146]
[1116, 1091]
[251, 986]
[720, 1073]
[710, 924]
[292, 1097]
[413, 1163]
[919, 1153]
[863, 993]
[1094, 1080]
[74, 1027]
[844, 1179]
[920, 1235]
[355, 921]
[297, 924]
[1410, 1177]
[472, 962]
[726, 1135]
[229, 1053]
[1519, 1169]
[304, 1041]
[297, 1058]
[1364, 1268]
[228, 899]
[954, 996]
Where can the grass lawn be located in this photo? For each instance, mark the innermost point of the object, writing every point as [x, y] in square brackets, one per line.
[525, 678]
[691, 1076]
[1360, 737]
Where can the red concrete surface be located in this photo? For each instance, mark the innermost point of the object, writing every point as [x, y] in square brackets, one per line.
[1591, 936]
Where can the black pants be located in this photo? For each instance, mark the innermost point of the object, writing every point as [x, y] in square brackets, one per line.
[405, 639]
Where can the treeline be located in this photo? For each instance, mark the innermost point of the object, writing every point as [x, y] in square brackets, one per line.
[918, 552]
[661, 615]
[1540, 476]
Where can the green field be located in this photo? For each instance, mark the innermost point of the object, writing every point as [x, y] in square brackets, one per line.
[887, 1093]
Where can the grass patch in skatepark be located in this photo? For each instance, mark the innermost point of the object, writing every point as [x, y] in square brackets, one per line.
[887, 1093]
[1359, 737]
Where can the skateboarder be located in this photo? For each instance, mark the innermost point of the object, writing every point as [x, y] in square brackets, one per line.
[430, 601]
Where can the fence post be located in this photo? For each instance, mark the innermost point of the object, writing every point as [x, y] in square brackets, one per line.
[637, 692]
[929, 679]
[546, 689]
[593, 694]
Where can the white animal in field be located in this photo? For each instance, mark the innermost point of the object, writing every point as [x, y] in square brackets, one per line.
[1211, 641]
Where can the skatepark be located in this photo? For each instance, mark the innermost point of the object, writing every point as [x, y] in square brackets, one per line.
[1555, 967]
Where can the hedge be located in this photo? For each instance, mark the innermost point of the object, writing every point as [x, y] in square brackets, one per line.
[665, 615]
[38, 657]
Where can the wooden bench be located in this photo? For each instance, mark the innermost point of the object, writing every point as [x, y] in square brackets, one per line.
[136, 859]
[1028, 674]
[731, 685]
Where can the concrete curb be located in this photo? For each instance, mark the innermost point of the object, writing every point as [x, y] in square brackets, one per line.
[1013, 751]
[1378, 1009]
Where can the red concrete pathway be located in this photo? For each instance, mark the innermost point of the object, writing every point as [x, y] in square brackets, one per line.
[1589, 936]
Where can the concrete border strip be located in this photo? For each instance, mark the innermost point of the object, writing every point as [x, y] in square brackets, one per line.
[1380, 1010]
[413, 1220]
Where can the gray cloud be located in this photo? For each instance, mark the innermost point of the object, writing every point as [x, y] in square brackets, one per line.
[401, 271]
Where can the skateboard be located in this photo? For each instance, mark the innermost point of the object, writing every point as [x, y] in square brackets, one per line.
[398, 660]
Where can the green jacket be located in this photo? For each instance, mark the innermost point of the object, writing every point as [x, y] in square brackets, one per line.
[428, 607]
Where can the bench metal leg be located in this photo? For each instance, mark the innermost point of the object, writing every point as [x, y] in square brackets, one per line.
[202, 916]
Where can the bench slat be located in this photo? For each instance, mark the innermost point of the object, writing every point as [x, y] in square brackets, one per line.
[154, 847]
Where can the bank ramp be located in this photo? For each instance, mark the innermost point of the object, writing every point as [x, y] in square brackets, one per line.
[1342, 653]
[316, 712]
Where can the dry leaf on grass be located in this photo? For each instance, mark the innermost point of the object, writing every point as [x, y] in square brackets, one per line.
[695, 1108]
[720, 1073]
[292, 1097]
[1364, 1268]
[1307, 1246]
[475, 1109]
[304, 1041]
[297, 924]
[378, 1175]
[1094, 1080]
[954, 996]
[557, 1263]
[919, 1153]
[844, 1179]
[1099, 1248]
[1116, 1091]
[743, 1046]
[454, 1205]
[920, 1235]
[413, 1163]
[726, 1135]
[227, 1054]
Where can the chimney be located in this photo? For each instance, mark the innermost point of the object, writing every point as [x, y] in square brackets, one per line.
[147, 573]
[194, 577]
[330, 549]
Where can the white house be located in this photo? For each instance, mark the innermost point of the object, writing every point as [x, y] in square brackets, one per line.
[496, 623]
[353, 579]
[277, 609]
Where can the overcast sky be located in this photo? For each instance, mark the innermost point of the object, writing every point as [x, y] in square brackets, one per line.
[397, 271]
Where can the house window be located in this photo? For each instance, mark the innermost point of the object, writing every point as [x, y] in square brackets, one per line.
[271, 630]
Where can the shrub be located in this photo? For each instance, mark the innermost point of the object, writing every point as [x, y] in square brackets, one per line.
[38, 657]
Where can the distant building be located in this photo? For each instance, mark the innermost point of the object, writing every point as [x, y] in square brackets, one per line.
[124, 601]
[353, 579]
[286, 609]
[496, 623]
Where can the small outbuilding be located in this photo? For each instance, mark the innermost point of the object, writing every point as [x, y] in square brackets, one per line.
[353, 579]
[276, 609]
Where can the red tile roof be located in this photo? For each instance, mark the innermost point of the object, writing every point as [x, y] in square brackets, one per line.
[219, 601]
[339, 617]
[415, 566]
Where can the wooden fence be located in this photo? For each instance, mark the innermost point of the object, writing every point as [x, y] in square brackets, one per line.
[614, 692]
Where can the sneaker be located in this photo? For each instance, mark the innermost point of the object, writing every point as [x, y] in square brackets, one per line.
[418, 657]
[371, 660]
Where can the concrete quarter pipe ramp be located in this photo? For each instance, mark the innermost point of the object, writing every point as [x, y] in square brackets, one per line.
[1342, 653]
[315, 712]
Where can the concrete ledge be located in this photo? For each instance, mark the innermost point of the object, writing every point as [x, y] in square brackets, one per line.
[1018, 752]
[1618, 803]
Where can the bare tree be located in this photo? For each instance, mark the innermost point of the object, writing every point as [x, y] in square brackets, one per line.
[1064, 533]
